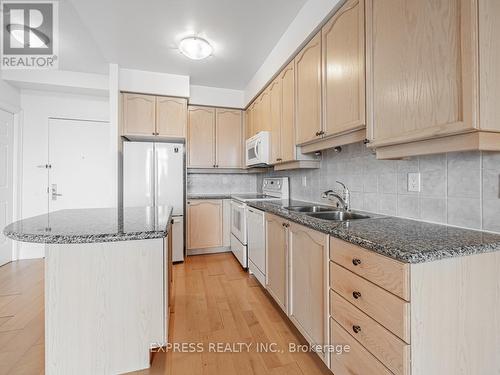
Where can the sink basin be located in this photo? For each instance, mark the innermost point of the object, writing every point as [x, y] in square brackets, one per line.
[311, 208]
[338, 215]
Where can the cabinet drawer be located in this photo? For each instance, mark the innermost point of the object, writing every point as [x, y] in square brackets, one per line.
[387, 309]
[388, 273]
[386, 347]
[357, 361]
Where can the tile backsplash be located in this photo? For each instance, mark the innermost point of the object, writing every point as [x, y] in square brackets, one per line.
[460, 188]
[221, 183]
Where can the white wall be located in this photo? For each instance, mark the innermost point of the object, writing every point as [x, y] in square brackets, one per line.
[154, 83]
[310, 16]
[217, 97]
[37, 107]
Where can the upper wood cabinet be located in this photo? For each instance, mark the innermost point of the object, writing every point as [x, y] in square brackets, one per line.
[343, 41]
[275, 119]
[149, 115]
[432, 85]
[308, 91]
[171, 117]
[287, 138]
[249, 121]
[139, 114]
[215, 137]
[204, 224]
[229, 138]
[201, 137]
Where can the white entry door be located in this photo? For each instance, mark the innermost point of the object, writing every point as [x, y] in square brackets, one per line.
[82, 165]
[6, 182]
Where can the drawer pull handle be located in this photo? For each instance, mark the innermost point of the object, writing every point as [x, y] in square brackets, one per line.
[356, 261]
[356, 329]
[356, 295]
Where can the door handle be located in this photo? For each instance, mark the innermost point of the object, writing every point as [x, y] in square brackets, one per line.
[54, 192]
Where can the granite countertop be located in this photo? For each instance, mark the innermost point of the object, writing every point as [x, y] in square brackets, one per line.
[92, 225]
[406, 240]
[209, 196]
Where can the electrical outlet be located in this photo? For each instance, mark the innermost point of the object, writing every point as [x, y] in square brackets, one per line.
[414, 182]
[304, 181]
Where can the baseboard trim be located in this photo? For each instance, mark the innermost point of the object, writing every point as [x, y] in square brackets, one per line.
[211, 250]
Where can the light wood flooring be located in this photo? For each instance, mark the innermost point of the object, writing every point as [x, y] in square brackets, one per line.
[215, 302]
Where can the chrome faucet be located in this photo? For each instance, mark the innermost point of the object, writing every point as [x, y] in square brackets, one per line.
[344, 198]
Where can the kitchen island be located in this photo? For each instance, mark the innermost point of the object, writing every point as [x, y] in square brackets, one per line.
[106, 286]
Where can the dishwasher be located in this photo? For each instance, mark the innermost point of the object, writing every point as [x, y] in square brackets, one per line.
[256, 244]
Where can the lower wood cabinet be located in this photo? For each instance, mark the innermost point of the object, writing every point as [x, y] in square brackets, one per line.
[277, 259]
[297, 276]
[308, 274]
[204, 224]
[436, 317]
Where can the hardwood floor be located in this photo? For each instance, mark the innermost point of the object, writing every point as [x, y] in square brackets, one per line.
[215, 302]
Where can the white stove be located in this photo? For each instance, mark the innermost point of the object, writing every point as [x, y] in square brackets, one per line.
[272, 189]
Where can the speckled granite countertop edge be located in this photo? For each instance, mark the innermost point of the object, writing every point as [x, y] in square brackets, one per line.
[17, 232]
[430, 253]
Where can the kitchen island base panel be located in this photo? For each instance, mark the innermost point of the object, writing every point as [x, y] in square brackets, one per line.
[104, 305]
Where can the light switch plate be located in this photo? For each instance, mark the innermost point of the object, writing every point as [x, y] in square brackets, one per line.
[414, 182]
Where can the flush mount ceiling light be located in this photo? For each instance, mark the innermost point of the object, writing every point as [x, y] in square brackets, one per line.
[195, 48]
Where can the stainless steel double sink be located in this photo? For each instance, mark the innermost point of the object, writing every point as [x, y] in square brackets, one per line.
[327, 213]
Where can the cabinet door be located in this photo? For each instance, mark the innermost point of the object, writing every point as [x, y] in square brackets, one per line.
[275, 120]
[308, 91]
[201, 137]
[421, 71]
[288, 113]
[277, 259]
[344, 69]
[249, 114]
[171, 117]
[138, 114]
[229, 138]
[308, 283]
[204, 224]
[265, 111]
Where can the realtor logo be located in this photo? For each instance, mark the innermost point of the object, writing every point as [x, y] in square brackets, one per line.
[29, 35]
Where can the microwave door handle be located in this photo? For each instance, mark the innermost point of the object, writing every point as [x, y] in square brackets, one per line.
[257, 144]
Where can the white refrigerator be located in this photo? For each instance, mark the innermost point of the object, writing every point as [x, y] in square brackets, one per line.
[153, 175]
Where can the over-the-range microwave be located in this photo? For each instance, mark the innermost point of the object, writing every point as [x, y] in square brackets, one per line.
[258, 150]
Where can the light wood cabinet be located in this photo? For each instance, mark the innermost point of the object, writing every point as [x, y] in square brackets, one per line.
[249, 121]
[432, 92]
[229, 138]
[139, 114]
[275, 120]
[204, 224]
[308, 250]
[171, 117]
[422, 333]
[343, 42]
[149, 115]
[287, 132]
[308, 91]
[277, 259]
[215, 137]
[201, 137]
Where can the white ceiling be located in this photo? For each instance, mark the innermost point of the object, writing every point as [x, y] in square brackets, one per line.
[144, 35]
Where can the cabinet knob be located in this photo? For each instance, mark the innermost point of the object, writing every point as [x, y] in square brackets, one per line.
[356, 329]
[154, 133]
[356, 295]
[318, 134]
[356, 261]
